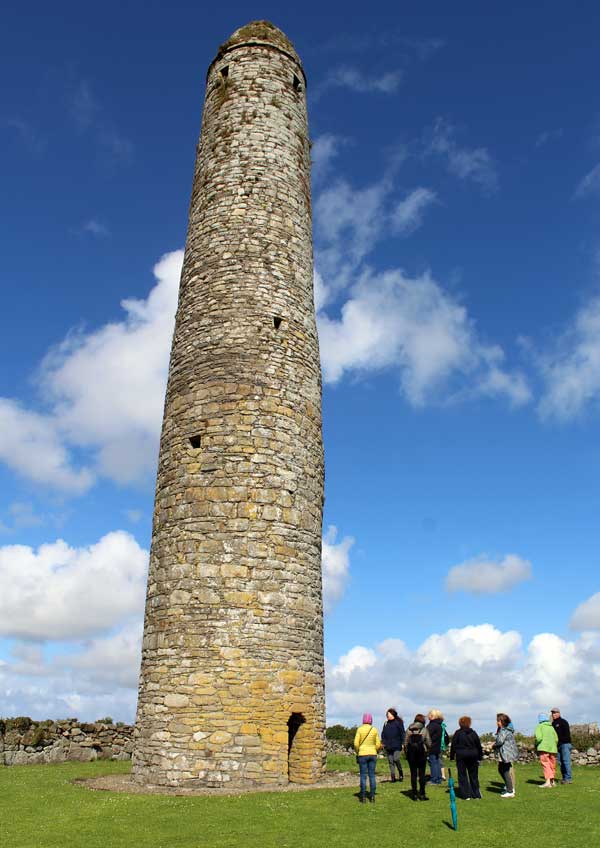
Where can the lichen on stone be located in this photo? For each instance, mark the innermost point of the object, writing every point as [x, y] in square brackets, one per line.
[259, 31]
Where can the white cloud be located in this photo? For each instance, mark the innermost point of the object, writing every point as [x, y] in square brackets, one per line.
[95, 679]
[336, 566]
[60, 592]
[324, 150]
[90, 117]
[357, 658]
[477, 670]
[348, 224]
[587, 614]
[482, 575]
[556, 669]
[95, 228]
[466, 163]
[133, 515]
[113, 660]
[322, 294]
[411, 324]
[23, 514]
[590, 184]
[107, 387]
[388, 319]
[31, 445]
[356, 80]
[105, 392]
[548, 135]
[496, 382]
[30, 137]
[478, 644]
[572, 371]
[408, 213]
[83, 106]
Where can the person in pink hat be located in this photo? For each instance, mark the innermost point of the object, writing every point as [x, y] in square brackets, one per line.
[367, 744]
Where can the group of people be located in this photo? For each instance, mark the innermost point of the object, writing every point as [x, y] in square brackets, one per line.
[426, 740]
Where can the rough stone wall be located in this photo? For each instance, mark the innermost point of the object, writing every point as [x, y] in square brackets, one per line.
[26, 742]
[527, 753]
[232, 678]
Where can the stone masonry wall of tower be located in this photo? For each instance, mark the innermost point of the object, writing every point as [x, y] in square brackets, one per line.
[232, 678]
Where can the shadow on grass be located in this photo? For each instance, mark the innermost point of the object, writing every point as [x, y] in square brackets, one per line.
[449, 825]
[534, 782]
[408, 793]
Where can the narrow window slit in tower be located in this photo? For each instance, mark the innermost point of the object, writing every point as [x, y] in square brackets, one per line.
[277, 321]
[297, 84]
[225, 71]
[195, 442]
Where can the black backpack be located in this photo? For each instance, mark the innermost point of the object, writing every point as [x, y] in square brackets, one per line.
[415, 743]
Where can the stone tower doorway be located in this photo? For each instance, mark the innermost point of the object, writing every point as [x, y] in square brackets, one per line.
[296, 756]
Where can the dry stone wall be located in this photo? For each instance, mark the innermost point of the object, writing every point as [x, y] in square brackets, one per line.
[589, 756]
[26, 742]
[231, 688]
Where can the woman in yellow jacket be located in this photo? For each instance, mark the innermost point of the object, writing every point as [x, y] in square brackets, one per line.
[366, 744]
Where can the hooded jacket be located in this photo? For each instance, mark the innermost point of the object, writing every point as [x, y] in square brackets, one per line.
[466, 745]
[505, 745]
[546, 738]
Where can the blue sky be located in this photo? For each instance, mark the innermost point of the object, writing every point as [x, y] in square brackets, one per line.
[456, 194]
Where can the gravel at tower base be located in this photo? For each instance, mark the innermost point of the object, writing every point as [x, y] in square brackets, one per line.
[232, 679]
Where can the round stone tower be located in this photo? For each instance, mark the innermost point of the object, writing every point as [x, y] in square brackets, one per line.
[231, 687]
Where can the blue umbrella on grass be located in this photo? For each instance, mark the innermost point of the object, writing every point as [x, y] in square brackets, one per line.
[452, 800]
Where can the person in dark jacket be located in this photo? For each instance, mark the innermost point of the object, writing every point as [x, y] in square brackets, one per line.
[438, 738]
[392, 736]
[563, 731]
[467, 751]
[416, 746]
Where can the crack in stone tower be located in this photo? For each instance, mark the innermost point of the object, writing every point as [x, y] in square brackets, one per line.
[232, 680]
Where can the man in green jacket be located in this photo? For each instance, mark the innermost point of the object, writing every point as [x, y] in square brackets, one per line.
[546, 740]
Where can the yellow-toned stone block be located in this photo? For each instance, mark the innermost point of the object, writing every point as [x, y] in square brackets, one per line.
[219, 738]
[247, 510]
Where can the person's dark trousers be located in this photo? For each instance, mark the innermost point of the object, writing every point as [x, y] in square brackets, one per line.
[435, 766]
[366, 765]
[468, 777]
[417, 766]
[504, 769]
[395, 763]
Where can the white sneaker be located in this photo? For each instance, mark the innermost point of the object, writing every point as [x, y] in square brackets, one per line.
[507, 795]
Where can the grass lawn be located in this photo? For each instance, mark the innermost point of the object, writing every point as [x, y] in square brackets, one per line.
[39, 806]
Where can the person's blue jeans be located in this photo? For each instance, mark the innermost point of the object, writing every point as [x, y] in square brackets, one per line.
[564, 760]
[435, 765]
[366, 765]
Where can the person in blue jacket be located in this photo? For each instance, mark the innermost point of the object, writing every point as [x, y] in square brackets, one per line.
[392, 737]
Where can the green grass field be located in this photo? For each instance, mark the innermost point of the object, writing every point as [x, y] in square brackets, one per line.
[39, 806]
